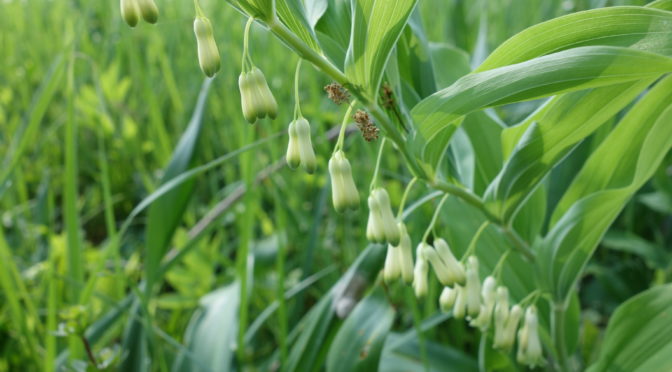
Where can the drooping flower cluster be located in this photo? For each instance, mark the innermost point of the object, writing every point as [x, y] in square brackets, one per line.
[300, 147]
[484, 304]
[381, 227]
[343, 189]
[256, 98]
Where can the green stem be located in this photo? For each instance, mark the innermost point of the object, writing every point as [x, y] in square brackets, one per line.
[378, 159]
[434, 217]
[400, 212]
[199, 11]
[344, 124]
[558, 333]
[247, 60]
[297, 105]
[474, 240]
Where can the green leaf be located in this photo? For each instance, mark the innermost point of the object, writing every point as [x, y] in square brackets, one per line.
[436, 117]
[548, 135]
[293, 15]
[627, 26]
[639, 334]
[401, 355]
[623, 162]
[333, 30]
[166, 212]
[376, 27]
[211, 334]
[655, 256]
[444, 72]
[359, 341]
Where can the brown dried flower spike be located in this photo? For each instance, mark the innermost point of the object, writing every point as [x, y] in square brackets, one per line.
[366, 126]
[337, 93]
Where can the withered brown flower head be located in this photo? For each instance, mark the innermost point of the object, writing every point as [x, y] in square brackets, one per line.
[387, 96]
[366, 125]
[337, 93]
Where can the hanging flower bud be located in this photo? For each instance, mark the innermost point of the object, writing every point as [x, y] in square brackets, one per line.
[420, 273]
[293, 156]
[447, 299]
[267, 101]
[454, 267]
[343, 190]
[460, 302]
[256, 98]
[501, 313]
[149, 11]
[208, 54]
[374, 228]
[247, 99]
[405, 254]
[508, 335]
[444, 275]
[392, 269]
[306, 152]
[389, 223]
[529, 345]
[489, 297]
[473, 287]
[130, 12]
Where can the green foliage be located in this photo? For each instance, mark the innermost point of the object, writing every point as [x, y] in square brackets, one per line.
[146, 226]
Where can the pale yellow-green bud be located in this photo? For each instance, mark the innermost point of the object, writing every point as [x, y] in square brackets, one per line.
[420, 273]
[343, 189]
[306, 152]
[388, 222]
[392, 269]
[442, 273]
[489, 298]
[447, 299]
[246, 98]
[266, 101]
[406, 256]
[293, 156]
[374, 228]
[508, 335]
[208, 54]
[529, 346]
[501, 313]
[130, 12]
[460, 307]
[473, 288]
[454, 267]
[149, 10]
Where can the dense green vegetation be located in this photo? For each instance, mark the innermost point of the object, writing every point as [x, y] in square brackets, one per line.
[146, 225]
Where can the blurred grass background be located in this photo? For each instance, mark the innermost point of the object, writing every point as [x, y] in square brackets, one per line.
[125, 103]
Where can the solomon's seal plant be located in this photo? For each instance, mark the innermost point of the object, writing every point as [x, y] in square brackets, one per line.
[431, 117]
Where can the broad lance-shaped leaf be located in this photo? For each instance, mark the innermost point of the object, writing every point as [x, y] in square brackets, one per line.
[622, 163]
[359, 342]
[376, 26]
[211, 334]
[548, 135]
[333, 30]
[639, 334]
[166, 212]
[626, 26]
[437, 116]
[293, 14]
